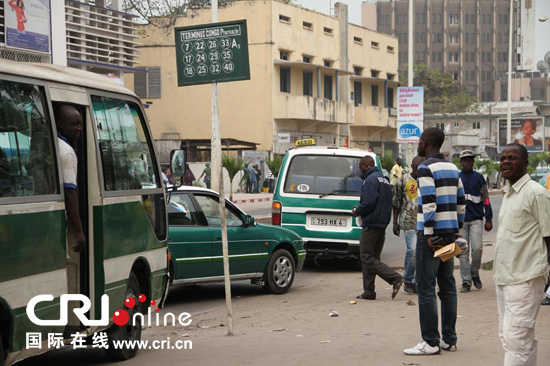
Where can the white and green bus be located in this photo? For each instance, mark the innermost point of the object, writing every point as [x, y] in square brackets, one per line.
[317, 188]
[121, 201]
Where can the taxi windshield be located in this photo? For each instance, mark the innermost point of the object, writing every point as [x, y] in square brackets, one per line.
[324, 175]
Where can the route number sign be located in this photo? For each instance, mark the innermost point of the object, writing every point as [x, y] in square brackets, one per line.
[212, 53]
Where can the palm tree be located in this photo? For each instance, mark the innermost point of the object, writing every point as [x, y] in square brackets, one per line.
[233, 165]
[275, 164]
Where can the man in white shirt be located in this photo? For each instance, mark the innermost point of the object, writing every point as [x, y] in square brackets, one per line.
[521, 256]
[69, 126]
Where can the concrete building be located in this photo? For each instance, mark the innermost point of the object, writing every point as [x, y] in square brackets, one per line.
[478, 130]
[532, 85]
[87, 35]
[467, 38]
[312, 75]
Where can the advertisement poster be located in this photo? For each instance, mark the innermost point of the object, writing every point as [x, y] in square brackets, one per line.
[410, 113]
[27, 24]
[527, 131]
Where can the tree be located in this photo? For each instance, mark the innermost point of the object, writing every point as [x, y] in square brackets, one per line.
[233, 166]
[275, 164]
[386, 160]
[163, 13]
[442, 94]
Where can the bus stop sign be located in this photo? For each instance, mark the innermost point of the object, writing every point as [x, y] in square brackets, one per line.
[212, 53]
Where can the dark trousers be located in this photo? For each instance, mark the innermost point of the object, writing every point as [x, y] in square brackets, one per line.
[371, 245]
[428, 270]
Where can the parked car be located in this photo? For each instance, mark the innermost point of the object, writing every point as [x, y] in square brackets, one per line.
[267, 255]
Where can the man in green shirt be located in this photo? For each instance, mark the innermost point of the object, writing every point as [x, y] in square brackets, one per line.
[521, 256]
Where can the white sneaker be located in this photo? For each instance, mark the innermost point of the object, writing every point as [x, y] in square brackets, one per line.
[447, 347]
[422, 348]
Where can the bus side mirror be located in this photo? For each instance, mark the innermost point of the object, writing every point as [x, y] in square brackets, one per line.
[178, 159]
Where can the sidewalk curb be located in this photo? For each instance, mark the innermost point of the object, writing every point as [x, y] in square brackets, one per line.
[252, 200]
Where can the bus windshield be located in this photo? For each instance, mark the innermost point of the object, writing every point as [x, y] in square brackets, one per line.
[324, 175]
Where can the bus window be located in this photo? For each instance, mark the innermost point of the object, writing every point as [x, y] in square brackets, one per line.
[27, 162]
[127, 161]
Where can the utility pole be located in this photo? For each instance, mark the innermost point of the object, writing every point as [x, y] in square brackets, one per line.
[509, 112]
[410, 152]
[217, 177]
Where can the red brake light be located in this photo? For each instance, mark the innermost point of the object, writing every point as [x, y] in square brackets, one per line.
[276, 213]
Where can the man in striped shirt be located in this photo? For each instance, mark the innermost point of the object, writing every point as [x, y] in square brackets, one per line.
[441, 209]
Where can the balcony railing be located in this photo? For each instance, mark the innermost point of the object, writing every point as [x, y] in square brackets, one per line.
[100, 35]
[374, 116]
[289, 106]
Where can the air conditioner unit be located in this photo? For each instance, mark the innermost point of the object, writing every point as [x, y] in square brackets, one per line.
[393, 112]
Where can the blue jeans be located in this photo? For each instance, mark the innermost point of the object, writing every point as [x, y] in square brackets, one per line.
[410, 262]
[428, 270]
[473, 233]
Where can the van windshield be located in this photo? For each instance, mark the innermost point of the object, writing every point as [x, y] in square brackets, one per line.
[324, 174]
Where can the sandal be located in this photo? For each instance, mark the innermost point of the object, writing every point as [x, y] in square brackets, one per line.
[396, 288]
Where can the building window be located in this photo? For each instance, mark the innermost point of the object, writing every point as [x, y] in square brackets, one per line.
[327, 30]
[389, 102]
[453, 57]
[306, 59]
[357, 70]
[328, 87]
[390, 76]
[283, 55]
[284, 18]
[358, 40]
[308, 83]
[147, 85]
[327, 63]
[374, 73]
[374, 95]
[285, 79]
[307, 25]
[476, 125]
[391, 49]
[455, 75]
[358, 92]
[375, 44]
[441, 126]
[457, 124]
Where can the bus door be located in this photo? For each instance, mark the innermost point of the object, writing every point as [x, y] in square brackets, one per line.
[130, 223]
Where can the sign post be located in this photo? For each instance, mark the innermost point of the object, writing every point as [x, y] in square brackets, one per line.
[212, 53]
[410, 115]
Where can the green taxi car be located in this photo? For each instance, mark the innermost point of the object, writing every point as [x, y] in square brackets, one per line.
[269, 256]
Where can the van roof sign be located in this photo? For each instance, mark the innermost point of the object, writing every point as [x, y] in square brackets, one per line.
[305, 142]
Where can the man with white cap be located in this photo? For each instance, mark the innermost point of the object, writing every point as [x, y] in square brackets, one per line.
[477, 207]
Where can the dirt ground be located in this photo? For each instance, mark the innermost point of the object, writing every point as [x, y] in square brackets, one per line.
[296, 328]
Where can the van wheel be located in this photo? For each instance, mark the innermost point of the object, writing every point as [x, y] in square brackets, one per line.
[127, 332]
[279, 273]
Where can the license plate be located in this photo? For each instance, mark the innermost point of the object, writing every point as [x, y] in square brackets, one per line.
[324, 221]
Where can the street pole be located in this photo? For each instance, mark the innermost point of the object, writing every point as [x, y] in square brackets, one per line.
[217, 177]
[509, 112]
[411, 69]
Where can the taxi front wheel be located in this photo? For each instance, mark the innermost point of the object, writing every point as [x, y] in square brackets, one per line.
[280, 271]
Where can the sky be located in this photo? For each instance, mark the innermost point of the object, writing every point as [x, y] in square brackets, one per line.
[541, 29]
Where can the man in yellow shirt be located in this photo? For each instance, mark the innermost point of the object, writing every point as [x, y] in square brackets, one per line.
[521, 256]
[396, 171]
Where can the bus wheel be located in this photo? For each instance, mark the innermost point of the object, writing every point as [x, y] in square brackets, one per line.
[1, 352]
[127, 332]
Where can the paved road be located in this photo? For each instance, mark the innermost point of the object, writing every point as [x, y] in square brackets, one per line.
[394, 249]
